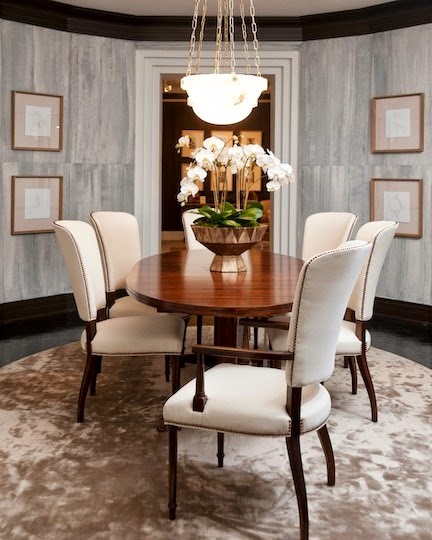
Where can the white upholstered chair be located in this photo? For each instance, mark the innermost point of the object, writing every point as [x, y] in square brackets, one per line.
[188, 217]
[262, 401]
[119, 243]
[138, 335]
[322, 231]
[120, 247]
[326, 230]
[354, 339]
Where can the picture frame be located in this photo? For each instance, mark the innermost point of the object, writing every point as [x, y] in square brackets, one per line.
[37, 121]
[36, 202]
[196, 137]
[225, 135]
[253, 137]
[397, 124]
[401, 200]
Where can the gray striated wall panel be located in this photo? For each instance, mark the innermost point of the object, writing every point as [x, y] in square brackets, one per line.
[96, 76]
[339, 78]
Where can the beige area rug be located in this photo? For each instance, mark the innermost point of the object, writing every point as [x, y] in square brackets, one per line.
[107, 478]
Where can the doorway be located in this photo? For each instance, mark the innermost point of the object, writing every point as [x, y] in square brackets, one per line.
[178, 120]
[152, 66]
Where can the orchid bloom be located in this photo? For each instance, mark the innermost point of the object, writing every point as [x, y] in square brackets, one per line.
[214, 144]
[219, 156]
[205, 159]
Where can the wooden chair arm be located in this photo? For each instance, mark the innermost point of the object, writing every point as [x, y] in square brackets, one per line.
[263, 322]
[200, 398]
[233, 352]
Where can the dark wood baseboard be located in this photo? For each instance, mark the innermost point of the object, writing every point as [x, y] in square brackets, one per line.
[403, 311]
[62, 308]
[38, 309]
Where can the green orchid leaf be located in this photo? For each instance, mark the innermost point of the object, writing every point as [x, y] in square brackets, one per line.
[230, 223]
[251, 213]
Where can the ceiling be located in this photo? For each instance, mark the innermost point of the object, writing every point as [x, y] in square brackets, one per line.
[267, 8]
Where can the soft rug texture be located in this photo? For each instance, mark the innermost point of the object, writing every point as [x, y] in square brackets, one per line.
[107, 478]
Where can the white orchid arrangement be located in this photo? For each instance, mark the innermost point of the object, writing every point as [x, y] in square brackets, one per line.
[219, 157]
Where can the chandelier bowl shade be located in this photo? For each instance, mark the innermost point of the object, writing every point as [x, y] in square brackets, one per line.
[223, 98]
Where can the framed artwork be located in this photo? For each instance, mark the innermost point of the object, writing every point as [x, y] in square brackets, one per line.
[196, 137]
[398, 123]
[37, 121]
[226, 136]
[229, 181]
[397, 199]
[36, 203]
[253, 137]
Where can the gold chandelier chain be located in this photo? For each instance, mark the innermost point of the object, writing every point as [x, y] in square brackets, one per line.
[218, 36]
[225, 32]
[226, 41]
[193, 39]
[231, 34]
[201, 38]
[244, 32]
[255, 39]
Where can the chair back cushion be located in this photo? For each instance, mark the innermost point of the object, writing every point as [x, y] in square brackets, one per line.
[119, 242]
[80, 249]
[380, 234]
[325, 231]
[188, 217]
[323, 290]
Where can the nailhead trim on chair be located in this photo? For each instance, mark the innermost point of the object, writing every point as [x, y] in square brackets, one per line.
[363, 301]
[236, 432]
[154, 353]
[300, 297]
[89, 318]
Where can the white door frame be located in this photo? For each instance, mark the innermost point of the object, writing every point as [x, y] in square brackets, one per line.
[151, 66]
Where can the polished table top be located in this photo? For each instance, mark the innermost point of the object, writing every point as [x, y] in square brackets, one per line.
[181, 281]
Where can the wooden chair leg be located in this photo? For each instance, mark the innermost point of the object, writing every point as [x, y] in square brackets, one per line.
[246, 331]
[326, 444]
[255, 344]
[87, 378]
[172, 471]
[220, 452]
[175, 362]
[367, 379]
[167, 367]
[350, 360]
[199, 328]
[294, 454]
[97, 369]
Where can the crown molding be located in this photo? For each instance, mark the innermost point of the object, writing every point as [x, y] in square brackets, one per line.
[58, 16]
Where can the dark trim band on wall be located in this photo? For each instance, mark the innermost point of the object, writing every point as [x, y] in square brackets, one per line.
[57, 16]
[63, 305]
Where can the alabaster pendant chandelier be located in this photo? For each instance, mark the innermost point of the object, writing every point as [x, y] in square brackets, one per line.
[225, 96]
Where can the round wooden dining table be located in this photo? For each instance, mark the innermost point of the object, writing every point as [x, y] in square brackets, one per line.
[181, 281]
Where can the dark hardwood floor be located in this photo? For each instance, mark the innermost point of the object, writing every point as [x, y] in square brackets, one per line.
[413, 342]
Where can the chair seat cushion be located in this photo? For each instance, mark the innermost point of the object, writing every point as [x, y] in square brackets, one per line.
[136, 336]
[279, 338]
[246, 400]
[348, 343]
[127, 306]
